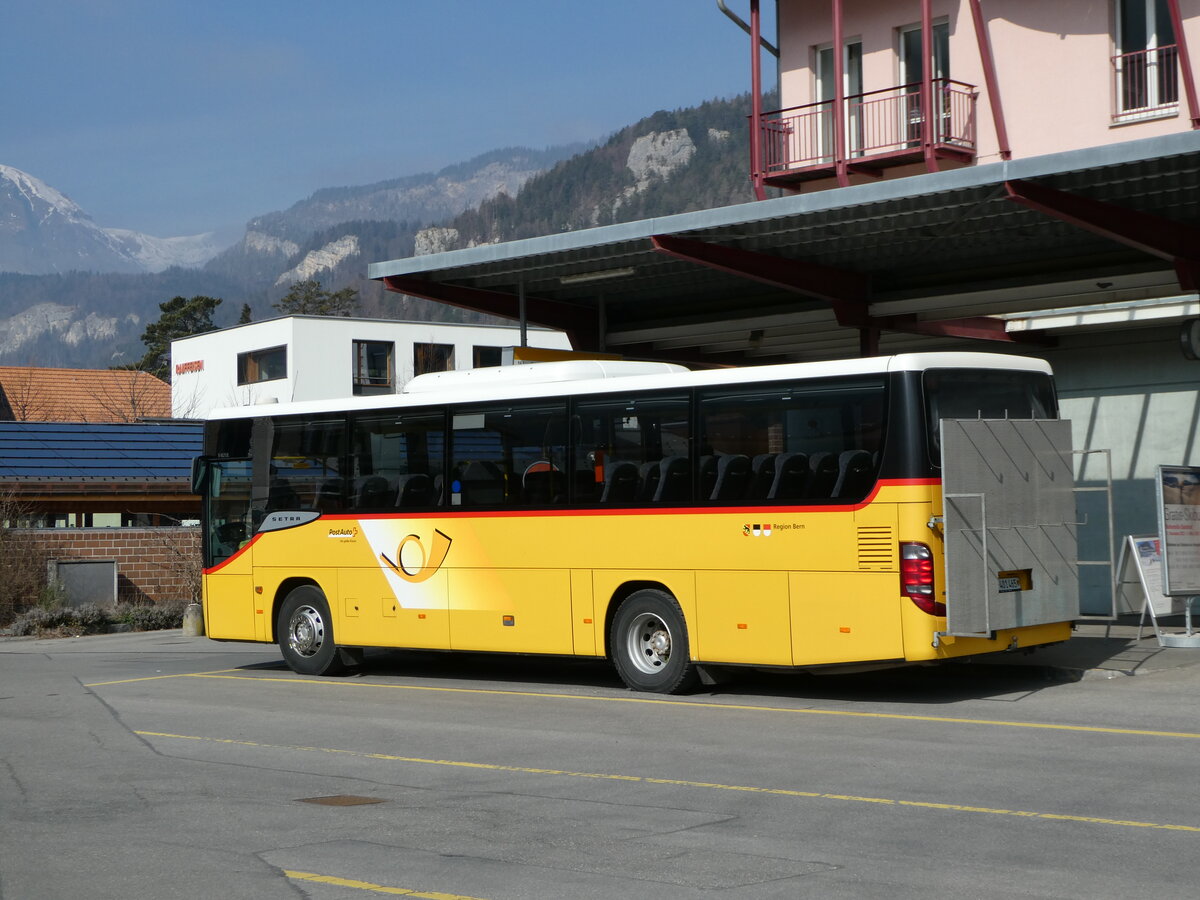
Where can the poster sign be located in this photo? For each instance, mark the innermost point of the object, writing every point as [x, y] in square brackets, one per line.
[1140, 574]
[1179, 528]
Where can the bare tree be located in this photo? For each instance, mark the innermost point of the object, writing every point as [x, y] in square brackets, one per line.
[181, 546]
[22, 564]
[20, 399]
[128, 396]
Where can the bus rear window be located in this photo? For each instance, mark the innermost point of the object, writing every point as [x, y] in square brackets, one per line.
[984, 394]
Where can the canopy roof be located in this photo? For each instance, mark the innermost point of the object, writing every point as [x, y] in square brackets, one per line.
[922, 261]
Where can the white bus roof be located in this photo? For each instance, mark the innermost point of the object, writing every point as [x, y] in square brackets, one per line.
[564, 379]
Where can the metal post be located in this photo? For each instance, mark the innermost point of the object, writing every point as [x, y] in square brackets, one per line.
[839, 98]
[757, 172]
[601, 324]
[521, 312]
[990, 79]
[927, 84]
[868, 341]
[1185, 63]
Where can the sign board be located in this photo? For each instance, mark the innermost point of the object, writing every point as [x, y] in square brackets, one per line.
[1140, 578]
[1178, 500]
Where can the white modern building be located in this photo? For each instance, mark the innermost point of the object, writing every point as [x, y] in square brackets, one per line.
[325, 357]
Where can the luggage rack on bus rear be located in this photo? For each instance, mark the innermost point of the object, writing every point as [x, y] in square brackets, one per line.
[1010, 525]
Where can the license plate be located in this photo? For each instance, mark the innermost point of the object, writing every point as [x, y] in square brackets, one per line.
[1019, 580]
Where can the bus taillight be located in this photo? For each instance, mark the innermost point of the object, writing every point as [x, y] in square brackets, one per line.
[916, 577]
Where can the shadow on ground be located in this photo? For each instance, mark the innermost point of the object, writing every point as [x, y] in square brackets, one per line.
[935, 684]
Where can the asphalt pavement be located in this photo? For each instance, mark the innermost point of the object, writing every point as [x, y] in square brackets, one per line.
[133, 766]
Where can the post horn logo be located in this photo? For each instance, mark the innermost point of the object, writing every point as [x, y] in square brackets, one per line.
[430, 562]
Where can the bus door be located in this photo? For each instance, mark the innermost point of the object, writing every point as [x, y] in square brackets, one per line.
[229, 525]
[1010, 524]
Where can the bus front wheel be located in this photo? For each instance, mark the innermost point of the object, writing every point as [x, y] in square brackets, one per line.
[305, 631]
[649, 644]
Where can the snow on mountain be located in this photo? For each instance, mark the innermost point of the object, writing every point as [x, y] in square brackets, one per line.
[42, 231]
[156, 254]
[40, 196]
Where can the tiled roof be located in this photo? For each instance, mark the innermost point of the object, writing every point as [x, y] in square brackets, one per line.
[93, 451]
[31, 394]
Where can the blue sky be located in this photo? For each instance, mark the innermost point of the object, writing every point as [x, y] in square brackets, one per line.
[180, 116]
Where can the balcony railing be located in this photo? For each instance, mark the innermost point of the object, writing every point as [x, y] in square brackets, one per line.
[883, 128]
[1145, 83]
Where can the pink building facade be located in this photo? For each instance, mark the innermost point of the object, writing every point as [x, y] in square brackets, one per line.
[1003, 79]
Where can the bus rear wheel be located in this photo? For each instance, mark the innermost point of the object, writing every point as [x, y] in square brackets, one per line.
[305, 632]
[649, 644]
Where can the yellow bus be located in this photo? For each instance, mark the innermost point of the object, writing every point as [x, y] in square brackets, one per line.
[677, 522]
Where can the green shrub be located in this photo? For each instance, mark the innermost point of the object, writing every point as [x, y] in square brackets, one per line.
[151, 618]
[70, 621]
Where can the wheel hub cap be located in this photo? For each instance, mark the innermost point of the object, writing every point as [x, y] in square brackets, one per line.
[307, 632]
[649, 643]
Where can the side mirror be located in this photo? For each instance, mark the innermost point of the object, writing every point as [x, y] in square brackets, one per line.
[206, 478]
[200, 470]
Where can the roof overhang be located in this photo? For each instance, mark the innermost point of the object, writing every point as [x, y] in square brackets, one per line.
[922, 260]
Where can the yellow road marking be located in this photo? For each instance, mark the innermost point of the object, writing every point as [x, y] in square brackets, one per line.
[678, 782]
[160, 677]
[377, 888]
[703, 704]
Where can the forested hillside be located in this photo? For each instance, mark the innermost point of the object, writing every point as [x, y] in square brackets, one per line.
[612, 184]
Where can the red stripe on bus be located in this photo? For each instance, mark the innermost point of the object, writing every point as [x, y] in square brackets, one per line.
[250, 543]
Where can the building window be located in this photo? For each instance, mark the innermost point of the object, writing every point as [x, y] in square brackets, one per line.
[484, 357]
[374, 367]
[852, 88]
[912, 71]
[1146, 65]
[432, 358]
[262, 365]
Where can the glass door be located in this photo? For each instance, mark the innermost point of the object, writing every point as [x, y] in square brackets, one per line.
[912, 71]
[852, 89]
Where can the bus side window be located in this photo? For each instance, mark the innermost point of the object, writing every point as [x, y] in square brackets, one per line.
[742, 434]
[790, 442]
[306, 457]
[634, 450]
[396, 460]
[511, 455]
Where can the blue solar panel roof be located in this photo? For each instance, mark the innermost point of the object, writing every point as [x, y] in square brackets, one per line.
[98, 451]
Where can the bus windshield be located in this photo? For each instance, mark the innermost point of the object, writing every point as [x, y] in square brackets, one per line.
[227, 517]
[984, 394]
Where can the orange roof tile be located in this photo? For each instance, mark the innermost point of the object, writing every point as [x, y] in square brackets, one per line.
[30, 394]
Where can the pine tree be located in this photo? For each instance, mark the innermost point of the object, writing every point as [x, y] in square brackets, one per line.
[180, 318]
[308, 298]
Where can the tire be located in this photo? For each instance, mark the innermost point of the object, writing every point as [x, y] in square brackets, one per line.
[305, 633]
[649, 644]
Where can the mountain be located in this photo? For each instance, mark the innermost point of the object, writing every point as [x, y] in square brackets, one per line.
[42, 231]
[279, 241]
[669, 162]
[429, 197]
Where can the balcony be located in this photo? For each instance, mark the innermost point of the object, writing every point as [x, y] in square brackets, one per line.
[883, 130]
[1146, 84]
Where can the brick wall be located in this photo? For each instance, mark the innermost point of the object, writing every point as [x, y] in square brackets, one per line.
[154, 565]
